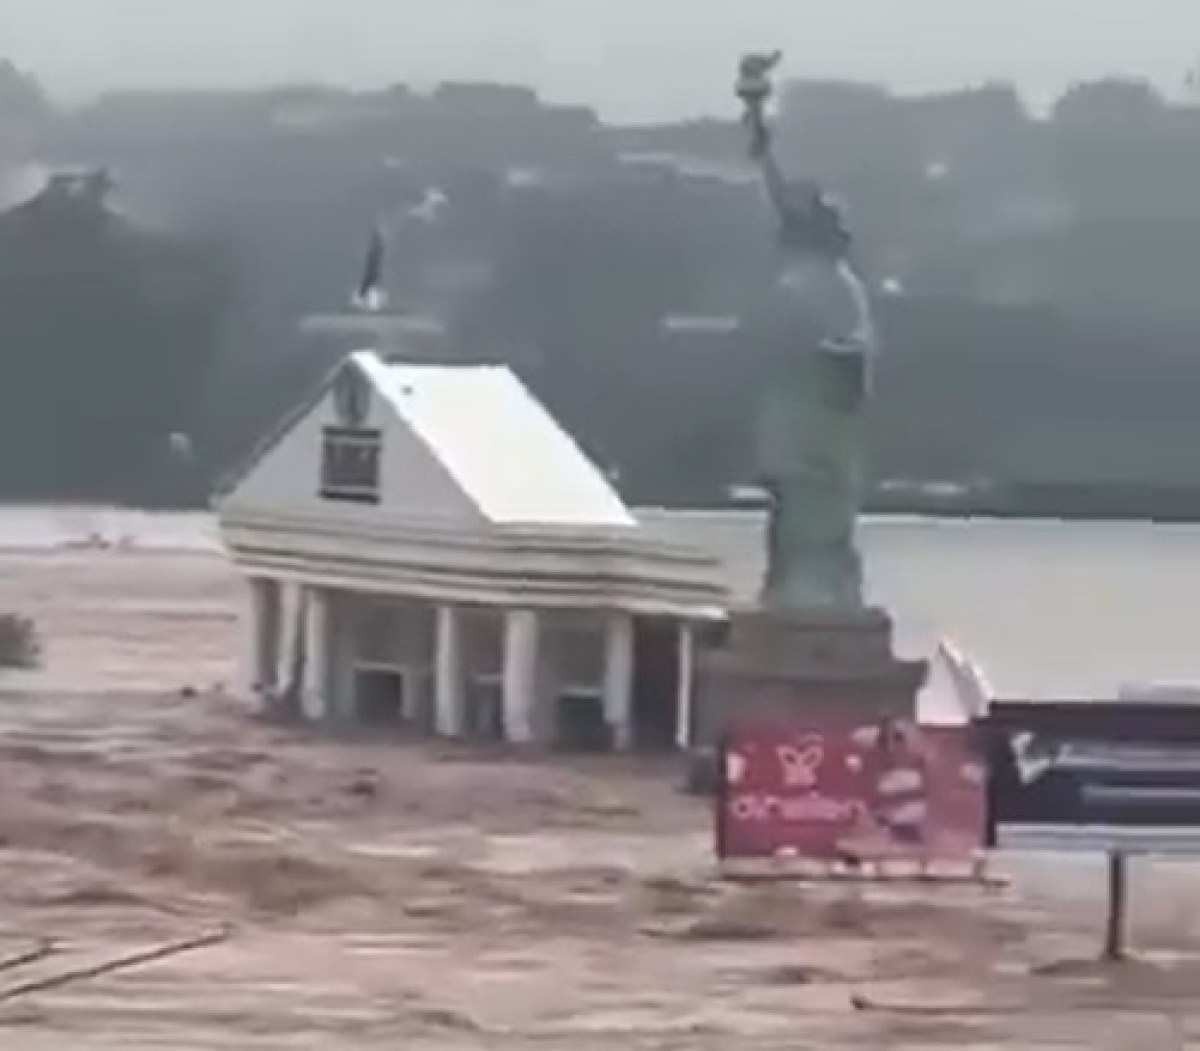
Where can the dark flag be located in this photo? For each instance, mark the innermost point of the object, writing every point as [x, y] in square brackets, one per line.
[368, 294]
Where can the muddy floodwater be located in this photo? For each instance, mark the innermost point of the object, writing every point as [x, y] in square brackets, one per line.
[390, 894]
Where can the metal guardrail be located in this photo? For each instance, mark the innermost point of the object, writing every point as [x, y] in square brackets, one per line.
[1120, 778]
[1099, 839]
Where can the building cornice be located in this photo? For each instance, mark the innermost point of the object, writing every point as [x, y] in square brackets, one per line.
[525, 565]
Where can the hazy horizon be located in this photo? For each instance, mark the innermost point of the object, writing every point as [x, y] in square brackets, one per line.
[591, 51]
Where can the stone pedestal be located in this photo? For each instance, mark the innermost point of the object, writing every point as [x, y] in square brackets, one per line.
[774, 664]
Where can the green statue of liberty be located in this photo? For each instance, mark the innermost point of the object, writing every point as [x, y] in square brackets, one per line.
[811, 421]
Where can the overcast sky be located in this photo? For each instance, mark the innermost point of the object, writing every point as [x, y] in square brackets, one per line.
[633, 59]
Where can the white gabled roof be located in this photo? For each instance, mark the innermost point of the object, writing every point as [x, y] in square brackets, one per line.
[498, 442]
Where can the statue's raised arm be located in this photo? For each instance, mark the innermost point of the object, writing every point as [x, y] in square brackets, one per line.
[807, 219]
[754, 88]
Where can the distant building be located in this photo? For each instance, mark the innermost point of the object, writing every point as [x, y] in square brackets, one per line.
[428, 547]
[487, 97]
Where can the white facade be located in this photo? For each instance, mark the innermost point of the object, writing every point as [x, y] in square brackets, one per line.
[424, 545]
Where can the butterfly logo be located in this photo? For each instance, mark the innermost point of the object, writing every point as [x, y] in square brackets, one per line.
[800, 762]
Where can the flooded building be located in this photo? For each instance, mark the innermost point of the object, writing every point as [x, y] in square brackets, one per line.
[425, 546]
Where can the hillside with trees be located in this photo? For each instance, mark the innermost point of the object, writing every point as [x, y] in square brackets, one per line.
[1033, 275]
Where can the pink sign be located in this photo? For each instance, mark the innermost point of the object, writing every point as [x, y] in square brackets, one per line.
[844, 788]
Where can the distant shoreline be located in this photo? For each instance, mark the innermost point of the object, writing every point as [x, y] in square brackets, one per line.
[1181, 507]
[1062, 501]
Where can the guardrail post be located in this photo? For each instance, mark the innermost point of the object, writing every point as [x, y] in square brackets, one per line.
[1114, 940]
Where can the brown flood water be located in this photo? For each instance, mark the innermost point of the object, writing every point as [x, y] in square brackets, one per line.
[418, 896]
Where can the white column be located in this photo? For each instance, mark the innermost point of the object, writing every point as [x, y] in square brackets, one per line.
[317, 654]
[618, 679]
[683, 704]
[343, 648]
[263, 627]
[291, 644]
[448, 689]
[520, 674]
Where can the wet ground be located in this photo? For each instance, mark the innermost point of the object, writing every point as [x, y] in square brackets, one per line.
[390, 894]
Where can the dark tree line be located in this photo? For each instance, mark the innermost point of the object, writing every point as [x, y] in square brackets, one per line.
[1034, 275]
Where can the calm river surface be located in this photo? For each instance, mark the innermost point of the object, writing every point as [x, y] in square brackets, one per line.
[1049, 608]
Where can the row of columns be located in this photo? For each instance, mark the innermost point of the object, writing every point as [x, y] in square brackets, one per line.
[265, 640]
[521, 680]
[326, 656]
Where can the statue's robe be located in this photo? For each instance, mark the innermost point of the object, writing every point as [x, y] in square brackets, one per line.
[811, 435]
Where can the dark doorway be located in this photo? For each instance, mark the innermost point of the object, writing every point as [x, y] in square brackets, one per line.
[485, 708]
[580, 725]
[379, 698]
[656, 682]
